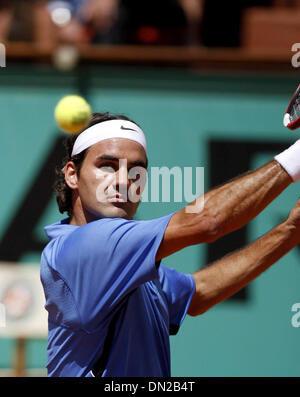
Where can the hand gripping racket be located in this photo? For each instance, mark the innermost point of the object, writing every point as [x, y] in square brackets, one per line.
[291, 117]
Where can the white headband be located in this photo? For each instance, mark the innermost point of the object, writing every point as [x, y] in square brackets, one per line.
[106, 130]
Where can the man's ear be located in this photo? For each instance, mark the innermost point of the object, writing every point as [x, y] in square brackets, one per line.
[71, 175]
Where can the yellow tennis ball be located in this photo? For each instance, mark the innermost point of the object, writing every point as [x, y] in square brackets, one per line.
[72, 113]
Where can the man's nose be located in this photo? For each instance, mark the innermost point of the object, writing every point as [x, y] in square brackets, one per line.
[121, 180]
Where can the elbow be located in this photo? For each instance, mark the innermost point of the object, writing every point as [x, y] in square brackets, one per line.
[199, 305]
[202, 299]
[197, 312]
[208, 229]
[213, 235]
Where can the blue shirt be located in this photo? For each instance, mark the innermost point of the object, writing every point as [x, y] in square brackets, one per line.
[88, 272]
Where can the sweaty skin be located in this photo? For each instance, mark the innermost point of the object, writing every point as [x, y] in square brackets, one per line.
[226, 208]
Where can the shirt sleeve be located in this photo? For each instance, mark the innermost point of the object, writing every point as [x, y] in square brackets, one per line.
[105, 260]
[179, 289]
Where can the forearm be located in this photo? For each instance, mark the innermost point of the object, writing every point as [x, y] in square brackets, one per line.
[232, 205]
[225, 277]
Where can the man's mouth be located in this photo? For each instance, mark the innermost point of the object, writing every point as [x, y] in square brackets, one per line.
[117, 200]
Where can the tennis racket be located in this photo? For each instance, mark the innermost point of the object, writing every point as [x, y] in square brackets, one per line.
[291, 117]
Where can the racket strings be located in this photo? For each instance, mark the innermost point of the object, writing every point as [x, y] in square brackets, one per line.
[295, 113]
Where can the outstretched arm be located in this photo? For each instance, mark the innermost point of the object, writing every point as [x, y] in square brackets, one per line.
[226, 208]
[225, 277]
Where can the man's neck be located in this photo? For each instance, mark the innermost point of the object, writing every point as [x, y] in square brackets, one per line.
[77, 221]
[81, 217]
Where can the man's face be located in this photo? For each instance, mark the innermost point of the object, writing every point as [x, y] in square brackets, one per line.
[110, 179]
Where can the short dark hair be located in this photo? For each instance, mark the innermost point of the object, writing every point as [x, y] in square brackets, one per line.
[63, 191]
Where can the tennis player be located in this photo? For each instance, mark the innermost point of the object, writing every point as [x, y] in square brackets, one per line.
[111, 303]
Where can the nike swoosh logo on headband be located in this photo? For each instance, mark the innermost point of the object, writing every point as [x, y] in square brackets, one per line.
[124, 128]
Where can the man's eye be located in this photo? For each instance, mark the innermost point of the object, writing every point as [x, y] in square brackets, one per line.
[107, 169]
[136, 173]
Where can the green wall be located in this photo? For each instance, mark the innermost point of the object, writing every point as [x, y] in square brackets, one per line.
[180, 111]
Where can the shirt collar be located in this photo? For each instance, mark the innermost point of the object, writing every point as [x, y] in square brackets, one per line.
[59, 228]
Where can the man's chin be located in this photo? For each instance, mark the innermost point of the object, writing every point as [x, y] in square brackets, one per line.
[119, 213]
[115, 211]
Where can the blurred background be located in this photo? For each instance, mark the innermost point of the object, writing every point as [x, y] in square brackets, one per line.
[209, 82]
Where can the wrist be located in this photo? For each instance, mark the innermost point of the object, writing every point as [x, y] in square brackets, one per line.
[289, 159]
